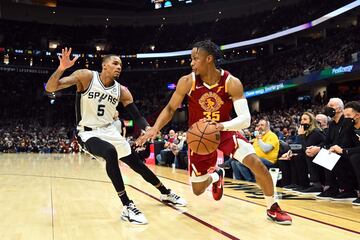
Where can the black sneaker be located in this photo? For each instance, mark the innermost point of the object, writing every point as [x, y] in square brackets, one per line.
[299, 189]
[312, 190]
[224, 166]
[356, 202]
[345, 196]
[290, 187]
[328, 194]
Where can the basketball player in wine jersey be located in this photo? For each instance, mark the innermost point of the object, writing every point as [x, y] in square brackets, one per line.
[212, 94]
[98, 95]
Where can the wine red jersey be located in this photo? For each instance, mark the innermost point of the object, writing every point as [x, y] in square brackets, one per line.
[212, 102]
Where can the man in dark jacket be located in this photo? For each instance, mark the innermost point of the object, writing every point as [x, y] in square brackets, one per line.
[352, 119]
[341, 180]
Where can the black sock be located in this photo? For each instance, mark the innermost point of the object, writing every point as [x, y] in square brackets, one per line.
[124, 198]
[163, 189]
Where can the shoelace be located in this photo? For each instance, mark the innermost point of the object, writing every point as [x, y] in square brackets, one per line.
[134, 209]
[277, 209]
[174, 196]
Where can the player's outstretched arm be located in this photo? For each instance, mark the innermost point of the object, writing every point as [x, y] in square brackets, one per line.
[56, 83]
[243, 119]
[183, 87]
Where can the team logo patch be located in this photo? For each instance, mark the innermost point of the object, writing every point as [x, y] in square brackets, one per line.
[114, 90]
[210, 102]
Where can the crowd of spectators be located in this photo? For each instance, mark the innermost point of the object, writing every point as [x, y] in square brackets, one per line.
[17, 137]
[255, 70]
[166, 37]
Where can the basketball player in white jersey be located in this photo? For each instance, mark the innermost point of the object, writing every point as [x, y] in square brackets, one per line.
[98, 95]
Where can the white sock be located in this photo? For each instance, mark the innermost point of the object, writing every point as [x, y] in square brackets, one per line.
[270, 200]
[214, 176]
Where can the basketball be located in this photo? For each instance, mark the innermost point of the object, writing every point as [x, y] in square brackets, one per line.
[203, 138]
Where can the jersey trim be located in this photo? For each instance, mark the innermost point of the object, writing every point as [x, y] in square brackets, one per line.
[77, 108]
[226, 83]
[119, 94]
[222, 72]
[90, 85]
[106, 88]
[210, 86]
[193, 83]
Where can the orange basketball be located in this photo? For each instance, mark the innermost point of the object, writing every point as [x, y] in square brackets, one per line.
[203, 138]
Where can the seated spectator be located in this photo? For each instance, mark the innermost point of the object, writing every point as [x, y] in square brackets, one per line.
[241, 172]
[166, 156]
[266, 144]
[341, 181]
[352, 115]
[310, 135]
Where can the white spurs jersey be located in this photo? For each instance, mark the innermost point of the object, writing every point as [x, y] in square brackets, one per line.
[96, 106]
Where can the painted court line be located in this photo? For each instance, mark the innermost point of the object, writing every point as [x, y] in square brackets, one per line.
[294, 214]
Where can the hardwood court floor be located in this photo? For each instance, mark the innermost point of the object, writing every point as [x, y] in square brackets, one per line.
[61, 197]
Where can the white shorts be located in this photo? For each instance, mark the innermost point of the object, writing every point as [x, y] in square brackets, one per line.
[244, 149]
[198, 179]
[111, 135]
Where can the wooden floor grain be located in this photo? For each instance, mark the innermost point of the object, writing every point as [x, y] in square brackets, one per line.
[67, 197]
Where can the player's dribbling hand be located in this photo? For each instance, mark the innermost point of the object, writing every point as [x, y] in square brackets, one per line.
[64, 59]
[149, 134]
[219, 126]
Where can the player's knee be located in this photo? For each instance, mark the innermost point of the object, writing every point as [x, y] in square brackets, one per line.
[244, 151]
[197, 190]
[110, 154]
[134, 162]
[254, 164]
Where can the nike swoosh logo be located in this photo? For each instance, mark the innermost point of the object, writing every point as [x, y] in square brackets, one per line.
[197, 87]
[272, 215]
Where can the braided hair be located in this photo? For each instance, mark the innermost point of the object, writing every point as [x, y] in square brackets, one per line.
[212, 49]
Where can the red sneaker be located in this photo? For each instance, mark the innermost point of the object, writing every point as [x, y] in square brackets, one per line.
[279, 216]
[218, 187]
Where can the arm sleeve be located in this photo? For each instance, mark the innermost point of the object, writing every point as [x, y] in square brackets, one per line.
[243, 117]
[135, 114]
[265, 147]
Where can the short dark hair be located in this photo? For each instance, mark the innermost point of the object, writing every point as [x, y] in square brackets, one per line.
[107, 57]
[211, 48]
[355, 105]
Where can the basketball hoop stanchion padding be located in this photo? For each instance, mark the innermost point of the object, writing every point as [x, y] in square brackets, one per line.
[151, 158]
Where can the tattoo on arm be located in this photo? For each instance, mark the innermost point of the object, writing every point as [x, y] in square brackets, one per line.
[53, 81]
[56, 75]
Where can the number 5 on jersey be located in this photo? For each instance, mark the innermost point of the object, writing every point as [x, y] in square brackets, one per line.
[215, 116]
[100, 111]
